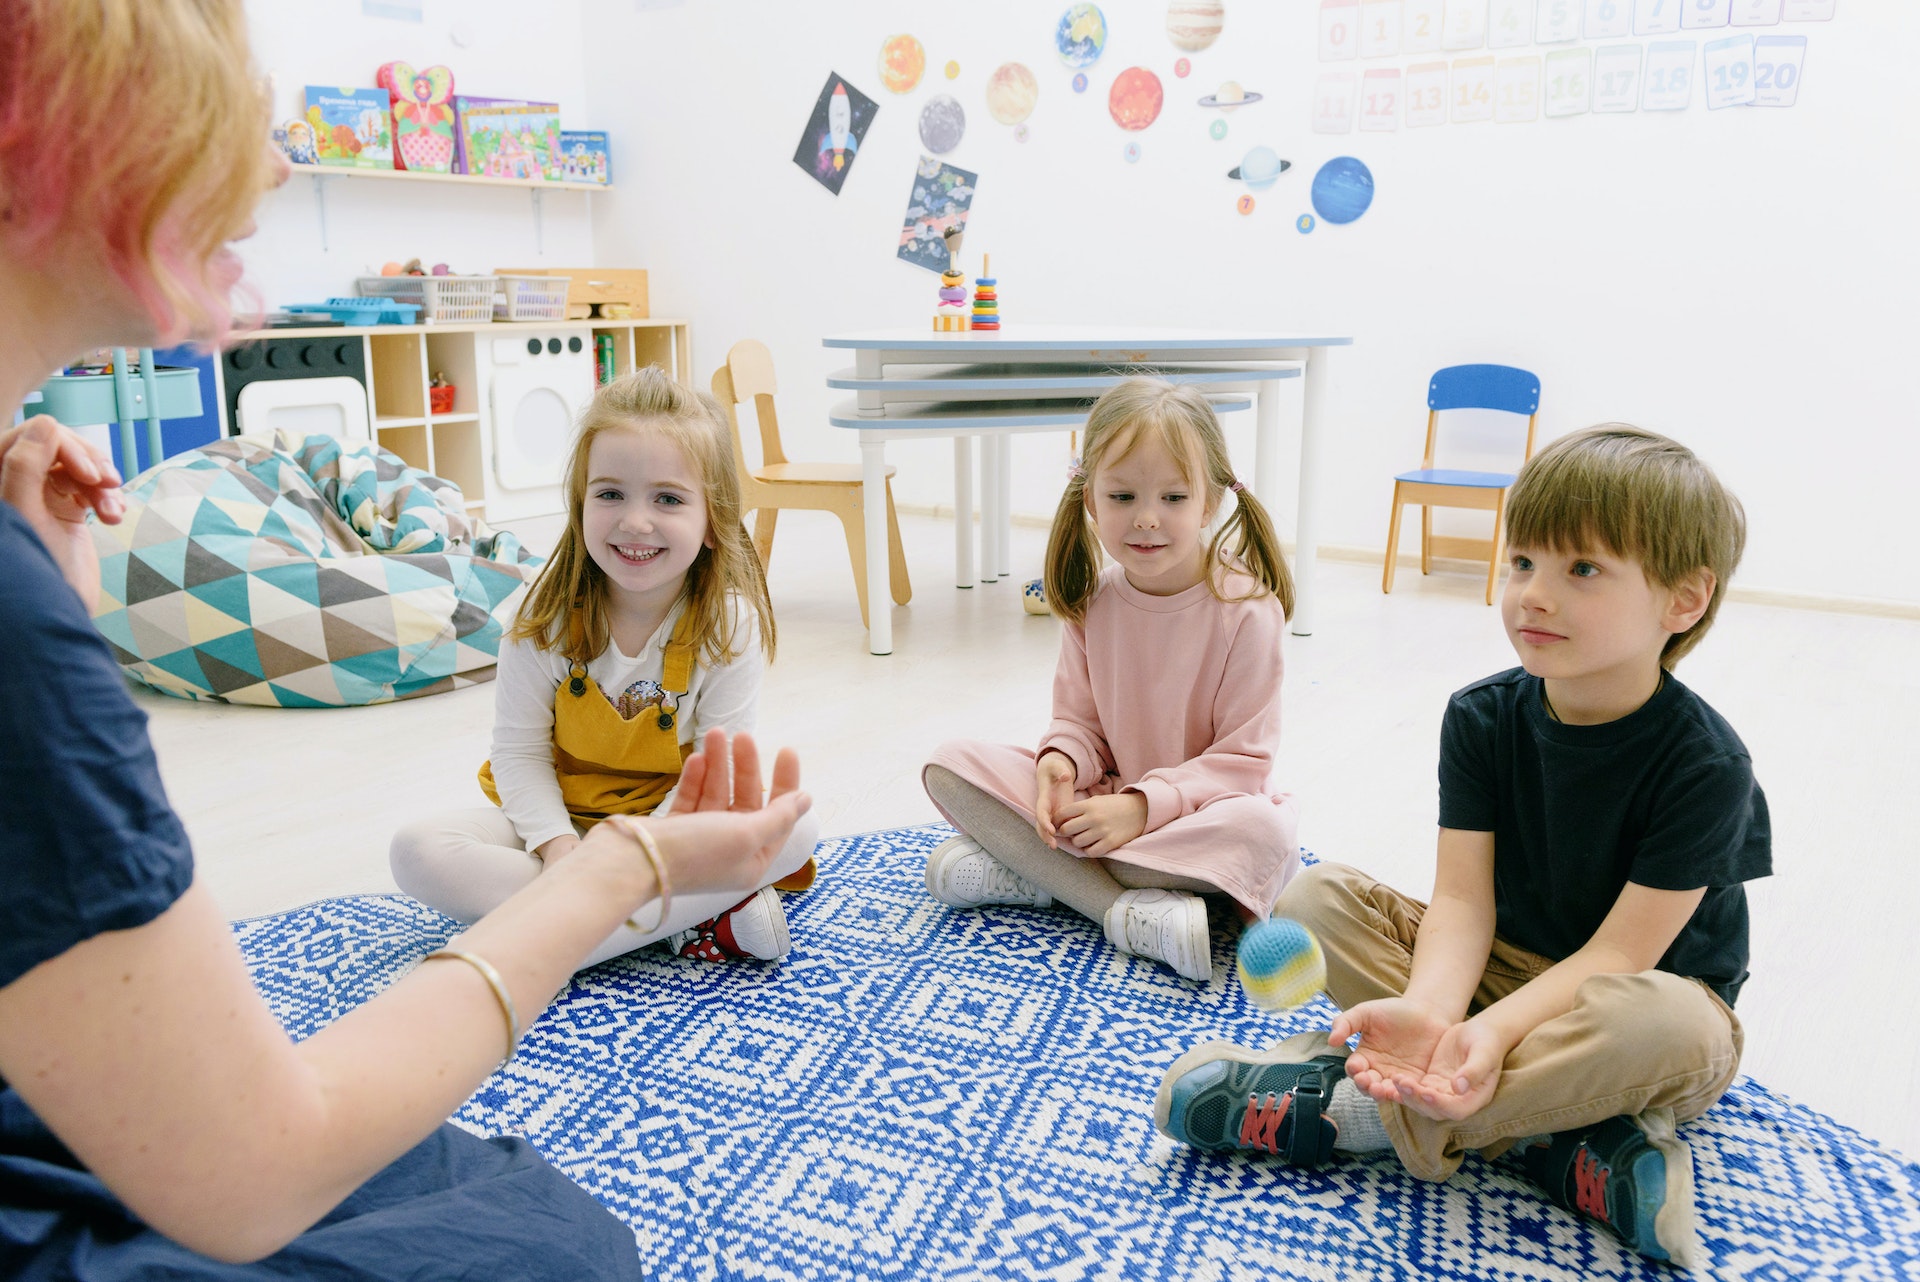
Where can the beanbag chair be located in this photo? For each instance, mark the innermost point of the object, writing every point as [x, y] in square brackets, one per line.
[303, 572]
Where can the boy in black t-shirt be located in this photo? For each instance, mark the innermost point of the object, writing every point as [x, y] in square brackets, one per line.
[1568, 992]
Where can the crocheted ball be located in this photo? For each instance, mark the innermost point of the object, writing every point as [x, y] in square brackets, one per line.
[1281, 965]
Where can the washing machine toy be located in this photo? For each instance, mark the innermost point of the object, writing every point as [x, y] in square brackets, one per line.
[538, 384]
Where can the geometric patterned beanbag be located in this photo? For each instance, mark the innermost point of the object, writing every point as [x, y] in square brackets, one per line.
[303, 573]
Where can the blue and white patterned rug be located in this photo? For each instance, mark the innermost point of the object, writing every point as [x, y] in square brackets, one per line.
[922, 1093]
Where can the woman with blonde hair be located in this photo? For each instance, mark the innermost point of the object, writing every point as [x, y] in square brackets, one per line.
[155, 1119]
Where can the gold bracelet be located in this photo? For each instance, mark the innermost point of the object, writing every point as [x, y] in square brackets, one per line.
[500, 994]
[649, 847]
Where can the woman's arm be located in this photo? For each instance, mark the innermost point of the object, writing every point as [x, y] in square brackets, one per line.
[150, 1054]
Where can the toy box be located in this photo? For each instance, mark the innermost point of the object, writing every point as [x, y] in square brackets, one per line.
[583, 157]
[507, 138]
[351, 127]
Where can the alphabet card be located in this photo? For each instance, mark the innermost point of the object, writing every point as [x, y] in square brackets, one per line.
[1669, 83]
[1569, 82]
[1380, 100]
[1420, 25]
[1608, 19]
[1556, 22]
[1729, 71]
[1516, 86]
[1379, 29]
[1426, 94]
[1656, 17]
[1616, 78]
[1472, 90]
[1777, 62]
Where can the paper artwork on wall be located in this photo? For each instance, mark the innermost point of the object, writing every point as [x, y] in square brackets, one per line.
[1705, 13]
[1421, 22]
[941, 198]
[1229, 96]
[1012, 92]
[1426, 94]
[1509, 23]
[1135, 99]
[1333, 101]
[1465, 25]
[1656, 17]
[1728, 67]
[1669, 77]
[1194, 25]
[1259, 168]
[1777, 64]
[1081, 36]
[903, 60]
[1756, 13]
[1380, 28]
[1339, 29]
[1809, 10]
[1607, 19]
[834, 133]
[1380, 100]
[1569, 83]
[1556, 22]
[1616, 78]
[943, 122]
[1342, 190]
[1516, 90]
[1472, 90]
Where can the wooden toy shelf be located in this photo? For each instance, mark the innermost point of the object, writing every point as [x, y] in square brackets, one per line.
[401, 360]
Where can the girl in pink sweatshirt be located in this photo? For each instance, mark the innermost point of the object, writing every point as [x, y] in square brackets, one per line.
[1151, 786]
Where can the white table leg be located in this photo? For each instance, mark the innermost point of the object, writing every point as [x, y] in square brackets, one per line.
[1003, 537]
[873, 507]
[866, 364]
[1313, 422]
[963, 511]
[990, 447]
[1266, 440]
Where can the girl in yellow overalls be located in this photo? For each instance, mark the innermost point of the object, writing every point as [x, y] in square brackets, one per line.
[649, 626]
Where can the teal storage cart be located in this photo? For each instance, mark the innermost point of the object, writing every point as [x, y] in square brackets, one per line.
[125, 396]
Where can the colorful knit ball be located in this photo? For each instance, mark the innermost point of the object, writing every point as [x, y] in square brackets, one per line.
[1281, 965]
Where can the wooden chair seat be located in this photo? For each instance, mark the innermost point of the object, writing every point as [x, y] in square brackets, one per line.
[812, 473]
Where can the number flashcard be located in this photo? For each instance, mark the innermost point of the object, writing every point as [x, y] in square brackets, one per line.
[1705, 13]
[1556, 22]
[1756, 13]
[1729, 70]
[1809, 10]
[1669, 82]
[1656, 17]
[1466, 26]
[1569, 82]
[1516, 90]
[1616, 78]
[1608, 19]
[1421, 23]
[1472, 90]
[1380, 100]
[1379, 28]
[1777, 62]
[1339, 29]
[1509, 23]
[1426, 94]
[1333, 103]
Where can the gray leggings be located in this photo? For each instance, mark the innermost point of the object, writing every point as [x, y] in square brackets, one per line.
[466, 863]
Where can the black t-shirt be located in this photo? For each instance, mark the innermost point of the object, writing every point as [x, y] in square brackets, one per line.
[88, 842]
[1664, 797]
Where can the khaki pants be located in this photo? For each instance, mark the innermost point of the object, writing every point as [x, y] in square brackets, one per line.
[1630, 1043]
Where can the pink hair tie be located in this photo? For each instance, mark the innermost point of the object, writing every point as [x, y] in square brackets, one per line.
[1076, 473]
[1236, 487]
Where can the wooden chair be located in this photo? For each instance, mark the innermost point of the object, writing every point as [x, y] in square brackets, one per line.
[1494, 387]
[777, 483]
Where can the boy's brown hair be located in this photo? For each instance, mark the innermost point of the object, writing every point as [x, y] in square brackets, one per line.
[1634, 494]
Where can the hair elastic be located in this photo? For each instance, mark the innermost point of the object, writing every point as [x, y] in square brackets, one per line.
[1236, 487]
[1075, 472]
[500, 994]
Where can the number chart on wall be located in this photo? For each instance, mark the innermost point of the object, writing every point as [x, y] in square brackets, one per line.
[1520, 61]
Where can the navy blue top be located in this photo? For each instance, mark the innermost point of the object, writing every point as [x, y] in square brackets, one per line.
[1663, 797]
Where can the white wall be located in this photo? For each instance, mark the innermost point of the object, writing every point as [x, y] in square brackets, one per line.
[512, 50]
[1742, 279]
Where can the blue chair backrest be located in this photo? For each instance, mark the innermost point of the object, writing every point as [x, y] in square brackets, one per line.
[1484, 387]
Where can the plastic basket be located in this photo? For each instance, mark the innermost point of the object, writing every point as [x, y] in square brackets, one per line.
[532, 298]
[441, 298]
[363, 311]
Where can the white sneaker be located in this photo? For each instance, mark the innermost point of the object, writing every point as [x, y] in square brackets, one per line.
[755, 927]
[1168, 926]
[962, 875]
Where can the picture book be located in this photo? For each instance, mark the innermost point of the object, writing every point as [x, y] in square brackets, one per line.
[507, 138]
[351, 127]
[422, 116]
[583, 157]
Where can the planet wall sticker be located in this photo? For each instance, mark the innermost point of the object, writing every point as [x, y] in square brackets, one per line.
[1260, 168]
[1229, 96]
[902, 62]
[942, 124]
[1135, 99]
[1011, 93]
[1342, 190]
[1194, 24]
[1081, 36]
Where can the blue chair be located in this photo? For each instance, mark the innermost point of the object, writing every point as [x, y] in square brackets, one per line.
[1491, 387]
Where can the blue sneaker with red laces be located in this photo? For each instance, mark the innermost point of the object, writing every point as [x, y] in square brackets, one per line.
[1222, 1096]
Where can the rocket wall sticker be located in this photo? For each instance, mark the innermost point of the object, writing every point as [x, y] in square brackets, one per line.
[834, 132]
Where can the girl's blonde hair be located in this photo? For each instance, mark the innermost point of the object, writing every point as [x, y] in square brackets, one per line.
[157, 204]
[1182, 421]
[566, 609]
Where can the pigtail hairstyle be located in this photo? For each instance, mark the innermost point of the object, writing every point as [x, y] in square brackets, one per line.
[566, 609]
[1186, 425]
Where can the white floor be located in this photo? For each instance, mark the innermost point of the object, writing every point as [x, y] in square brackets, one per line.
[288, 806]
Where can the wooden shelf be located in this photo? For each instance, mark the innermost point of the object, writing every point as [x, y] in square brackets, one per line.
[470, 180]
[464, 327]
[455, 417]
[400, 420]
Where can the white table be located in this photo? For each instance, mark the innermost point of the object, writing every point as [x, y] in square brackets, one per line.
[912, 384]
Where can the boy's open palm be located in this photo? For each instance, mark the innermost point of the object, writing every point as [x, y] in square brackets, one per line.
[1398, 1040]
[1461, 1076]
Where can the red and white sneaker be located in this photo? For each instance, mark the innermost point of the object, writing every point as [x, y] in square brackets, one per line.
[755, 927]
